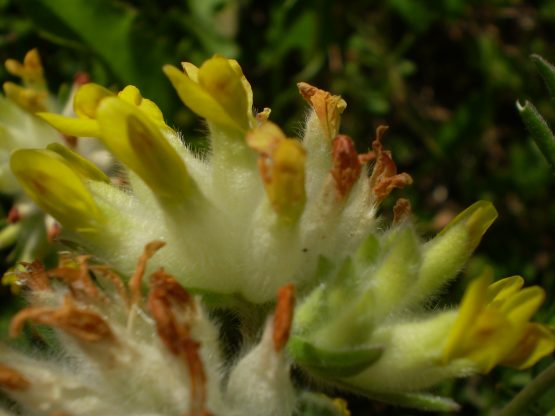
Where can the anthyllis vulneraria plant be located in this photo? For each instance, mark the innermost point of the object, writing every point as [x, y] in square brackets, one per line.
[26, 227]
[259, 217]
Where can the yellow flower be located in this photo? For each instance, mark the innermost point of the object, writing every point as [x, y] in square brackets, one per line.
[86, 103]
[282, 167]
[217, 91]
[492, 326]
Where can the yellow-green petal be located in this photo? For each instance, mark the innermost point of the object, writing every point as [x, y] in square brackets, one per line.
[78, 163]
[78, 127]
[502, 289]
[135, 140]
[56, 188]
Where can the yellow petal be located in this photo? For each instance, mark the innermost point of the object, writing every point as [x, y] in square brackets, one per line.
[56, 188]
[520, 307]
[473, 302]
[285, 179]
[131, 94]
[191, 70]
[502, 289]
[78, 127]
[265, 138]
[537, 342]
[199, 100]
[224, 82]
[78, 163]
[88, 98]
[135, 140]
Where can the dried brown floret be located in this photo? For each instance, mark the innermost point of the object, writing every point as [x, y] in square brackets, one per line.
[384, 176]
[283, 316]
[173, 309]
[12, 379]
[401, 210]
[83, 324]
[327, 107]
[346, 165]
[34, 276]
[136, 280]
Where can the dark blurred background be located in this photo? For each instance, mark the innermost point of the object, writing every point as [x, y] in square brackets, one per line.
[443, 74]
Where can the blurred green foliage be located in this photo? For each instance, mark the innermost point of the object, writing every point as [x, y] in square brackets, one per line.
[443, 74]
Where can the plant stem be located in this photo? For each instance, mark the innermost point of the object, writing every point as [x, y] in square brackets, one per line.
[531, 392]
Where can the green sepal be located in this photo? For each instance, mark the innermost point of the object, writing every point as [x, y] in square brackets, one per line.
[78, 163]
[317, 404]
[338, 363]
[421, 401]
[539, 130]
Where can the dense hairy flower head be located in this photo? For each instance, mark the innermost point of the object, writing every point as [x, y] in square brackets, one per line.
[230, 216]
[262, 211]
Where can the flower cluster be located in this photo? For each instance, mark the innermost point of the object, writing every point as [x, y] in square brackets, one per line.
[258, 216]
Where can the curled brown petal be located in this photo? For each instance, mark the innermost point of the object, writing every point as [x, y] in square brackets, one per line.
[81, 323]
[384, 176]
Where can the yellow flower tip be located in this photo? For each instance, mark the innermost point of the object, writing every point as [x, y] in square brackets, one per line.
[217, 91]
[139, 143]
[132, 95]
[476, 219]
[493, 327]
[87, 99]
[191, 70]
[328, 108]
[28, 99]
[223, 80]
[56, 188]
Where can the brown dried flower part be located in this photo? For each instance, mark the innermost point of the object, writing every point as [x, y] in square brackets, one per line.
[34, 277]
[83, 324]
[283, 317]
[173, 309]
[263, 115]
[328, 108]
[12, 379]
[401, 210]
[75, 274]
[384, 176]
[136, 280]
[346, 166]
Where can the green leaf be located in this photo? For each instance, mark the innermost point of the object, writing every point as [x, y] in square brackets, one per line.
[547, 71]
[539, 130]
[421, 401]
[342, 363]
